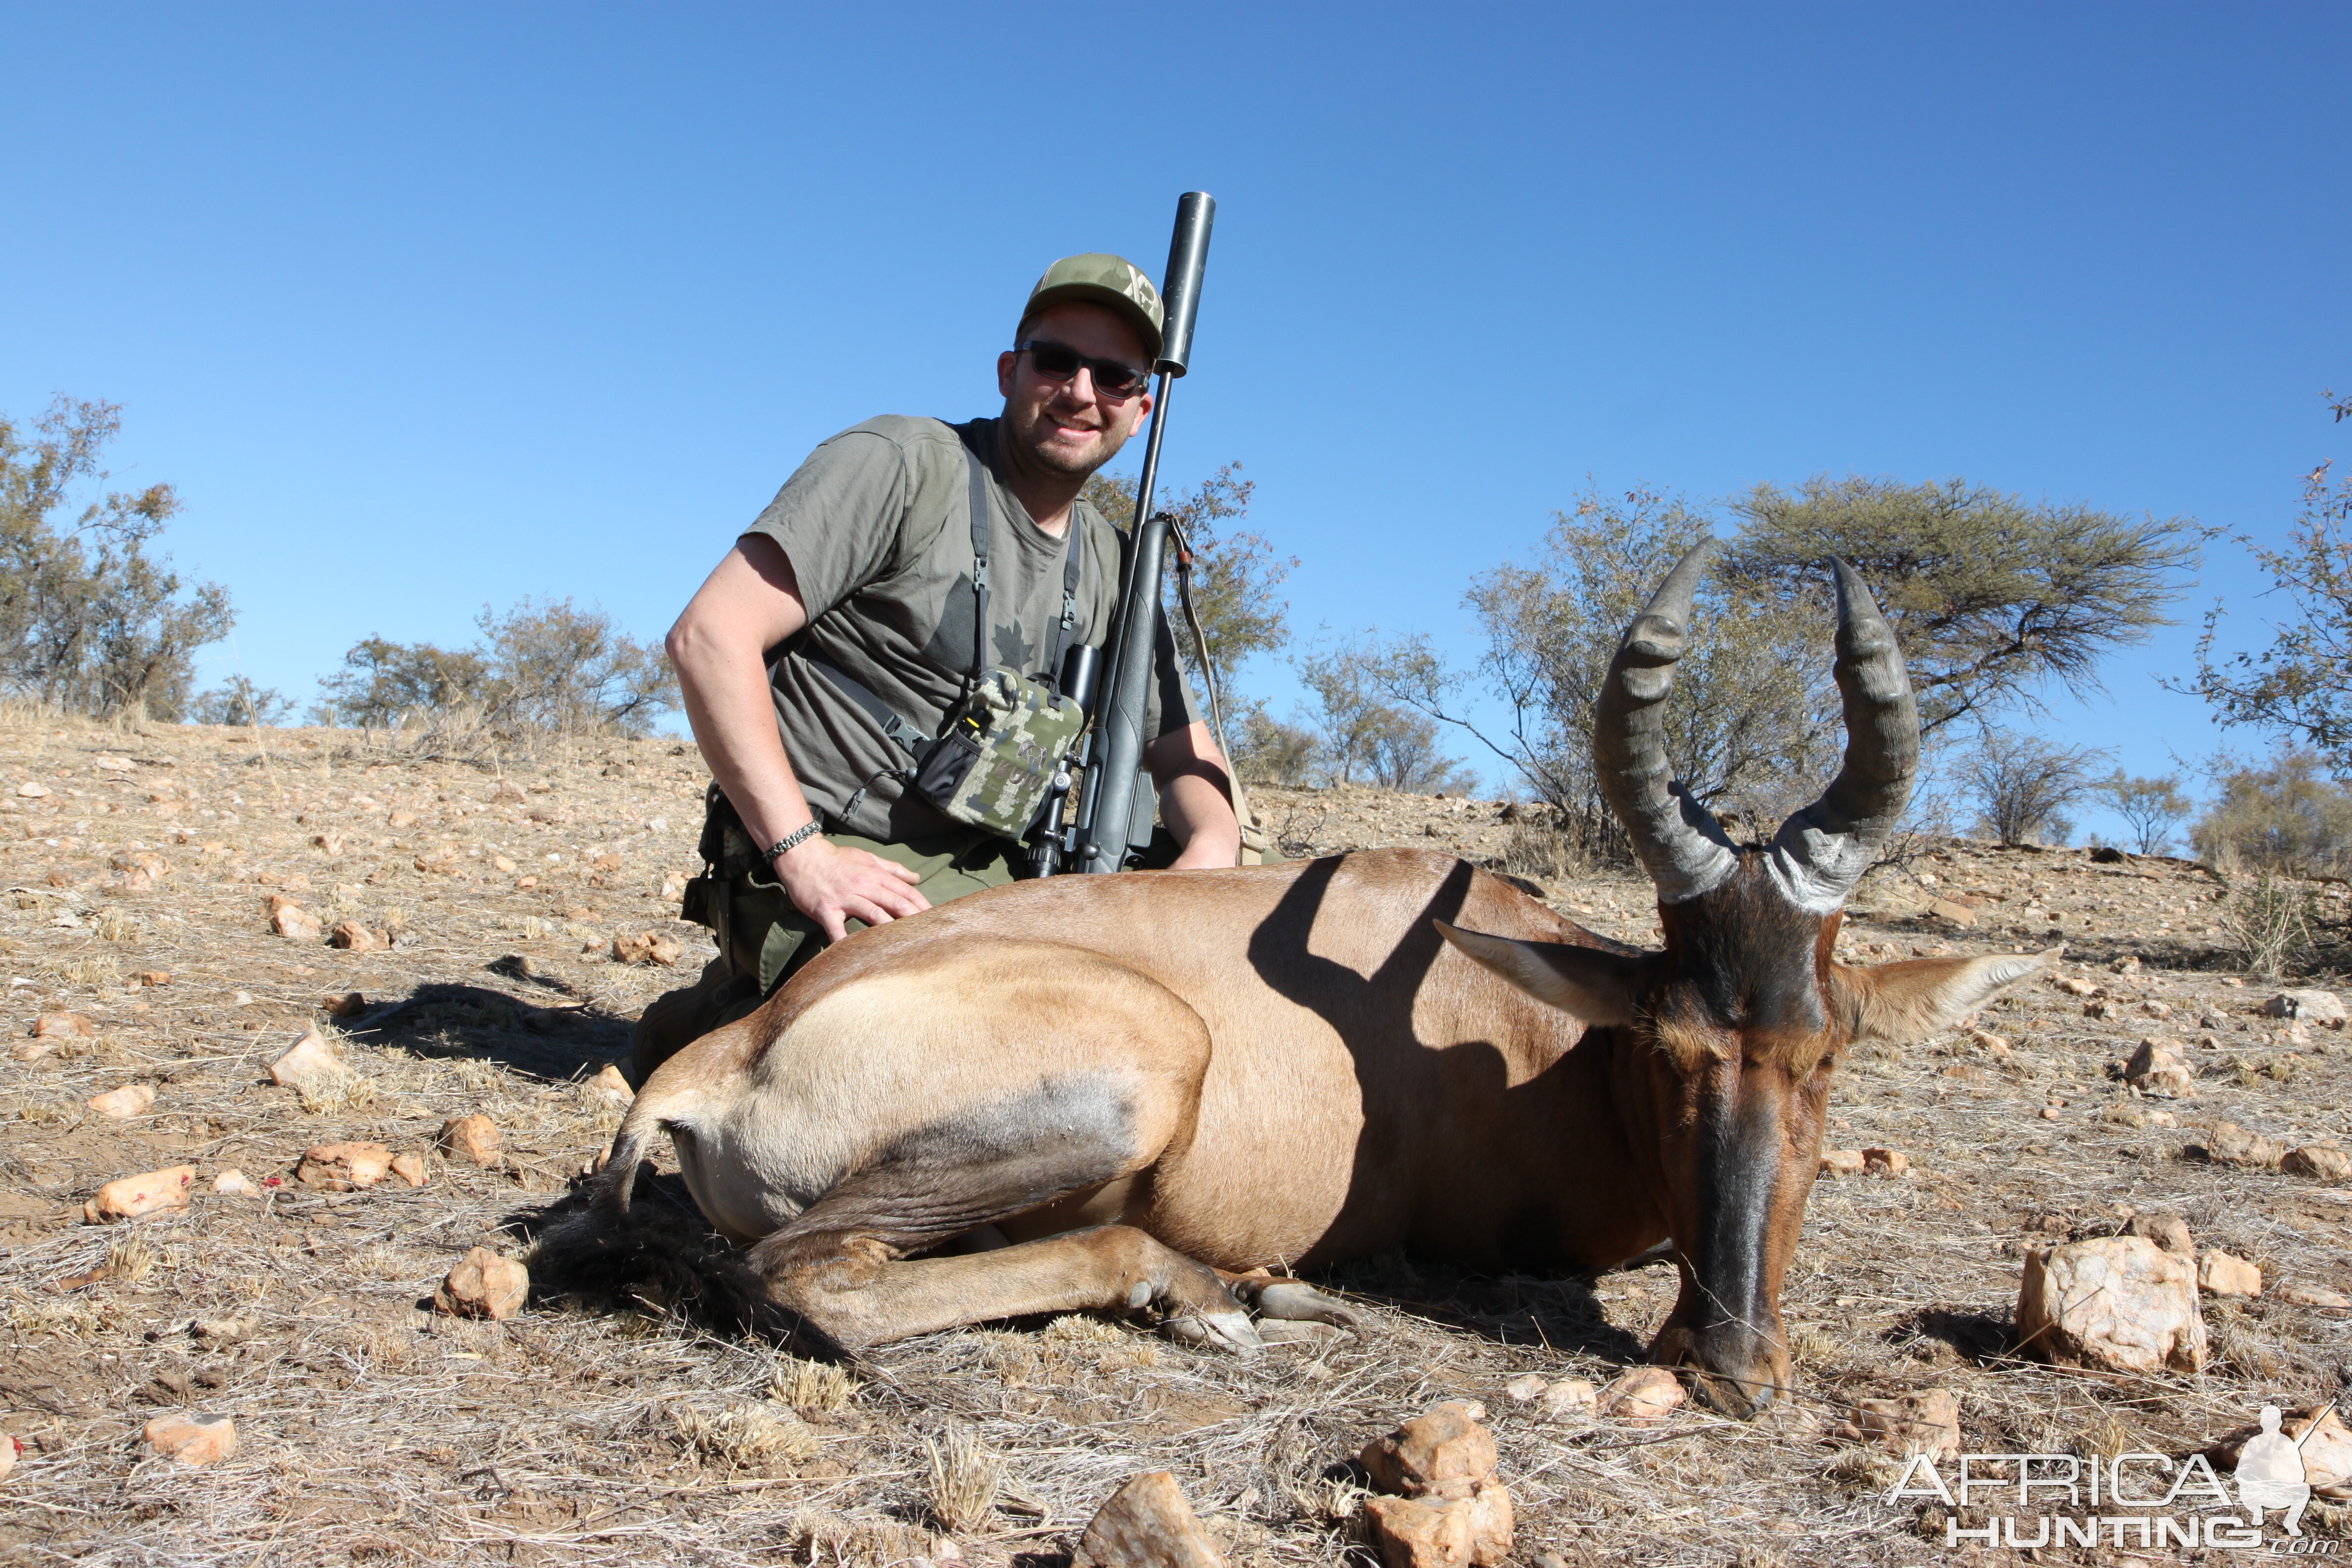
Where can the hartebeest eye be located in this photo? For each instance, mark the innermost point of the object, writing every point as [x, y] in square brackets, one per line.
[1598, 987]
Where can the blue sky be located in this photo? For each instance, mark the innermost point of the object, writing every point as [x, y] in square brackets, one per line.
[427, 307]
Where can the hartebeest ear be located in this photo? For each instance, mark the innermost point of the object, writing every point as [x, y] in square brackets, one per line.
[1900, 1002]
[1598, 987]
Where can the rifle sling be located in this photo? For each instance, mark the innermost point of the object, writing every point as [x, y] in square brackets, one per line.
[895, 727]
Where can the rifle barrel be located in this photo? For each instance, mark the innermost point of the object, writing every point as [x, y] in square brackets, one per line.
[1111, 792]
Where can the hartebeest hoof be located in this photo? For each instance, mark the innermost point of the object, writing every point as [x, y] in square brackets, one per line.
[1293, 1301]
[1214, 1331]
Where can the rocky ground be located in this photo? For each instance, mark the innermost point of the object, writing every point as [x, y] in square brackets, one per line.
[486, 906]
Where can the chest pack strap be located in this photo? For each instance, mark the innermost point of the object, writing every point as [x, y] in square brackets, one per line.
[903, 732]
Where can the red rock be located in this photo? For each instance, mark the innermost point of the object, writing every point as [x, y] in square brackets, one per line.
[1841, 1162]
[648, 947]
[62, 1025]
[1885, 1162]
[2227, 1143]
[1642, 1396]
[1441, 1532]
[2159, 1068]
[342, 1167]
[123, 1104]
[409, 1169]
[1569, 1399]
[2324, 1161]
[1443, 1453]
[1927, 1422]
[2168, 1231]
[610, 1086]
[343, 1005]
[2073, 987]
[154, 977]
[2310, 1296]
[2220, 1274]
[356, 938]
[1146, 1524]
[233, 1184]
[127, 1197]
[295, 923]
[1415, 1533]
[1951, 912]
[309, 1065]
[192, 1439]
[483, 1285]
[474, 1138]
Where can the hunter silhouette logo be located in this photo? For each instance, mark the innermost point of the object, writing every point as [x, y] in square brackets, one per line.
[2270, 1471]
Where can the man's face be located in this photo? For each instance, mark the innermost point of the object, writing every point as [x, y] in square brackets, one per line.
[1067, 426]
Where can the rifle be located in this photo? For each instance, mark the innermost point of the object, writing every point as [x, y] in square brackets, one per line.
[1110, 749]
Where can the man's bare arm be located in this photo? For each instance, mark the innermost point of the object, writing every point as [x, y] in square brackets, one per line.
[1195, 796]
[720, 647]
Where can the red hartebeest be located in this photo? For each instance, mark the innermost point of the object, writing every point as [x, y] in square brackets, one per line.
[1129, 1084]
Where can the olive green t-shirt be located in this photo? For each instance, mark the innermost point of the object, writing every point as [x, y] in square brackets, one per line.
[877, 525]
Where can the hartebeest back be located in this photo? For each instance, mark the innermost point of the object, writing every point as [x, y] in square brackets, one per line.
[1101, 1092]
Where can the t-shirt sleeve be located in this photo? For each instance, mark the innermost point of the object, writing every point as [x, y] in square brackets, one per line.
[839, 516]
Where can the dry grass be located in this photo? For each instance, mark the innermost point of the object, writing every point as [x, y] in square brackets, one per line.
[375, 1431]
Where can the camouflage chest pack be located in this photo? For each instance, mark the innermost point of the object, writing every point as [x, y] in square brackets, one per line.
[993, 766]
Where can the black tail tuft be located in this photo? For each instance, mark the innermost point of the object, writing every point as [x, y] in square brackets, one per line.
[648, 1250]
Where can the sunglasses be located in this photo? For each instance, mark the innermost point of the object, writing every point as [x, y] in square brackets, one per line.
[1114, 379]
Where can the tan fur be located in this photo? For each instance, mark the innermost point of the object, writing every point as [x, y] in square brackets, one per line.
[1131, 1076]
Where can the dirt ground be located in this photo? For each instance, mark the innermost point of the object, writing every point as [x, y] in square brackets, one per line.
[373, 1429]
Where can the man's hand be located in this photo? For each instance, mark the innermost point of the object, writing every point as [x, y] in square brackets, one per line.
[832, 884]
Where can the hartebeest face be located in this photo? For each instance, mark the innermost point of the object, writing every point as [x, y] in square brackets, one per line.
[1722, 1043]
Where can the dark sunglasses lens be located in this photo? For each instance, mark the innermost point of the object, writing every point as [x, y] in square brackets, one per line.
[1054, 361]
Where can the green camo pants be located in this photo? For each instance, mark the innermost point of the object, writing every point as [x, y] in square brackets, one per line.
[765, 936]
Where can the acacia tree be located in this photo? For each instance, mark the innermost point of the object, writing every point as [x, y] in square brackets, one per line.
[2025, 783]
[2299, 685]
[89, 618]
[1364, 735]
[2154, 808]
[1990, 595]
[1235, 573]
[541, 668]
[2287, 815]
[1752, 717]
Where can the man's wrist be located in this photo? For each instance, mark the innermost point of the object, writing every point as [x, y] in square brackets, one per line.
[792, 840]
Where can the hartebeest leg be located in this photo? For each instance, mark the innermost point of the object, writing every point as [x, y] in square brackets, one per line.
[856, 1289]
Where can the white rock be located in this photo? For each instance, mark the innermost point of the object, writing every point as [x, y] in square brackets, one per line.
[2119, 1303]
[2311, 1006]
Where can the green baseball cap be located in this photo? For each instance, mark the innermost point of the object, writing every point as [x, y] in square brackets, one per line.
[1108, 281]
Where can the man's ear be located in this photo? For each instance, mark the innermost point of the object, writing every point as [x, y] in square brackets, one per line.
[1004, 362]
[1901, 1003]
[1139, 414]
[1598, 987]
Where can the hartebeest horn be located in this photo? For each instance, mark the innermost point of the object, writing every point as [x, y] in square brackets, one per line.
[1681, 846]
[1822, 852]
